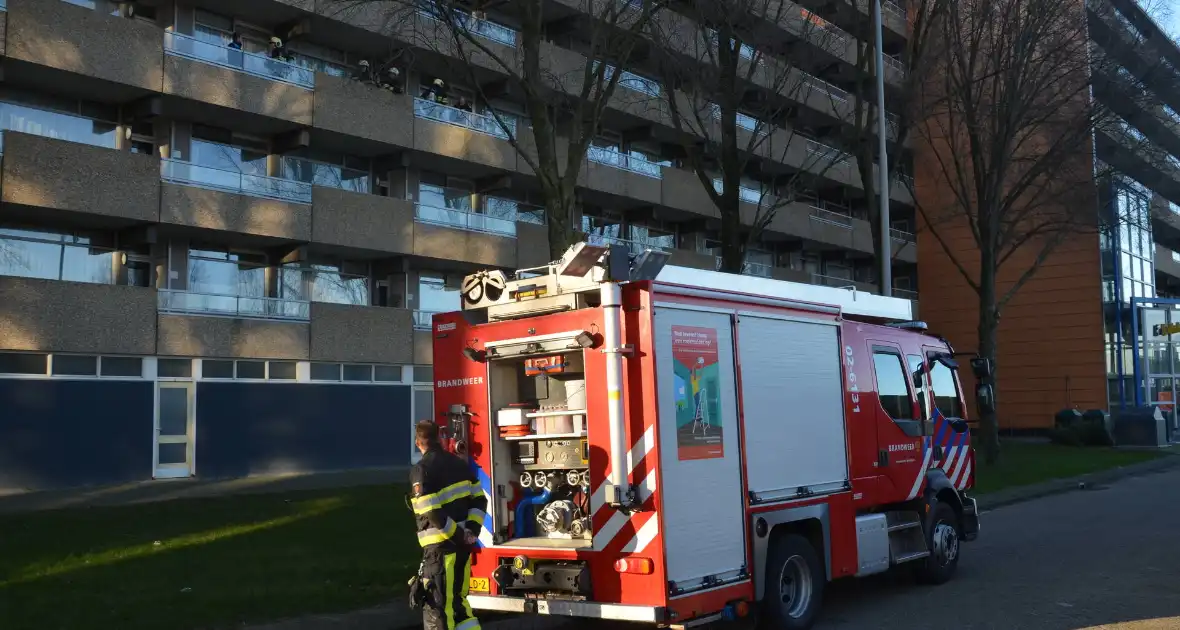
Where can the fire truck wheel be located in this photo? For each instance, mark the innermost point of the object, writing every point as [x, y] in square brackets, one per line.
[794, 584]
[943, 540]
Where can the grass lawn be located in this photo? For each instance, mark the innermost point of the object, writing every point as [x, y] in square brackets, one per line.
[1023, 463]
[204, 563]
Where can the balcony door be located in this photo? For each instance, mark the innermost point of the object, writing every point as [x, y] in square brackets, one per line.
[175, 414]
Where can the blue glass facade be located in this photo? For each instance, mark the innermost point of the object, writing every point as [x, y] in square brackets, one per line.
[1128, 275]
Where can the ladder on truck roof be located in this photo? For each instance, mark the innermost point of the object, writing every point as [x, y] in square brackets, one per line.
[569, 283]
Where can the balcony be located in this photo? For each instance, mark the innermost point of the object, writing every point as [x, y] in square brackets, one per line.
[423, 320]
[463, 135]
[908, 294]
[187, 173]
[842, 283]
[47, 315]
[761, 270]
[902, 236]
[362, 221]
[624, 161]
[49, 173]
[823, 215]
[238, 60]
[52, 257]
[236, 306]
[446, 114]
[214, 74]
[490, 31]
[83, 41]
[464, 220]
[633, 246]
[357, 109]
[362, 334]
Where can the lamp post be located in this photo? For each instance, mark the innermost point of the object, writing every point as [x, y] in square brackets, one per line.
[882, 161]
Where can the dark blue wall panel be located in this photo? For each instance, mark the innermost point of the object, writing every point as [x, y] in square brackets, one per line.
[60, 433]
[257, 428]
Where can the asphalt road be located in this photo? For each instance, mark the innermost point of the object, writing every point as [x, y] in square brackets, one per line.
[1103, 558]
[1099, 558]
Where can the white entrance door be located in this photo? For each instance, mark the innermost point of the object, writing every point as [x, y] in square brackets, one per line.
[174, 431]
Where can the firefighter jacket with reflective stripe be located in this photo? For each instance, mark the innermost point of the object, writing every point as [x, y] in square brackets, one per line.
[446, 498]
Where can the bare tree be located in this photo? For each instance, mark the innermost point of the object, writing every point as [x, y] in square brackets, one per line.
[565, 93]
[729, 94]
[1009, 130]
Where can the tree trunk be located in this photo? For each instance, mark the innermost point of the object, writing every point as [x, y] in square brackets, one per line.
[989, 322]
[560, 219]
[733, 251]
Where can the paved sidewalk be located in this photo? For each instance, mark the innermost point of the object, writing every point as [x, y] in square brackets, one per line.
[393, 616]
[166, 490]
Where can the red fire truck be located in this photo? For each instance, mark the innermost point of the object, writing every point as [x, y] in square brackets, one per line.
[675, 446]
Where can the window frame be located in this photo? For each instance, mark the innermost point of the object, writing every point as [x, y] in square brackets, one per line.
[911, 427]
[933, 363]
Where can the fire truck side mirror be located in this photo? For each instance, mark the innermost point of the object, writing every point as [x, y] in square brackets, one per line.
[982, 367]
[985, 397]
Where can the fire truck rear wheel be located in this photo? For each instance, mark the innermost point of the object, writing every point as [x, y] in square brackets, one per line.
[943, 539]
[795, 583]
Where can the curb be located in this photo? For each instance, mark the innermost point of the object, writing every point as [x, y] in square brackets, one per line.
[1021, 494]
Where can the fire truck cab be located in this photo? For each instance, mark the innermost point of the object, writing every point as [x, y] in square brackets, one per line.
[675, 446]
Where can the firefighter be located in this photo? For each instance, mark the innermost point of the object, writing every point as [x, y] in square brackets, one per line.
[448, 504]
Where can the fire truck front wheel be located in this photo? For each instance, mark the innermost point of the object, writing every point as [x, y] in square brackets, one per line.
[943, 539]
[795, 583]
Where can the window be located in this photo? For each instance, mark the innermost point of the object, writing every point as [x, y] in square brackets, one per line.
[387, 373]
[423, 374]
[362, 373]
[217, 369]
[122, 366]
[252, 369]
[72, 365]
[325, 371]
[175, 368]
[282, 370]
[434, 296]
[892, 388]
[946, 390]
[54, 256]
[58, 124]
[919, 381]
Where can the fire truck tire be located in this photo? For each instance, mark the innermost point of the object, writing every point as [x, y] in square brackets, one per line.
[795, 583]
[943, 540]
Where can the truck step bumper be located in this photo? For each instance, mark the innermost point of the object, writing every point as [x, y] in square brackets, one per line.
[970, 519]
[564, 608]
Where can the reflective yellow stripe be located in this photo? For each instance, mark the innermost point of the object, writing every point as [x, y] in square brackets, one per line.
[475, 515]
[435, 500]
[449, 608]
[434, 536]
[471, 623]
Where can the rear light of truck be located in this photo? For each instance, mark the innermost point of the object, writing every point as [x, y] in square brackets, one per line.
[637, 566]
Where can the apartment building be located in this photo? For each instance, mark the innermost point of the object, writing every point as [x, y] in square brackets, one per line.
[215, 263]
[1094, 329]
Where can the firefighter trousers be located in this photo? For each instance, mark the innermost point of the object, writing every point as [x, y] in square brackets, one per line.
[449, 575]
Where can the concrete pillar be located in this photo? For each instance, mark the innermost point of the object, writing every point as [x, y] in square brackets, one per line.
[182, 136]
[118, 270]
[272, 276]
[177, 278]
[163, 132]
[274, 165]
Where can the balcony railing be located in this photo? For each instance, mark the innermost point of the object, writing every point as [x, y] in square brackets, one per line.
[482, 123]
[326, 175]
[830, 154]
[901, 235]
[464, 220]
[762, 270]
[893, 8]
[833, 281]
[423, 320]
[625, 161]
[514, 210]
[636, 246]
[240, 60]
[184, 302]
[836, 36]
[834, 218]
[818, 84]
[895, 64]
[632, 81]
[56, 260]
[908, 294]
[189, 174]
[745, 193]
[476, 26]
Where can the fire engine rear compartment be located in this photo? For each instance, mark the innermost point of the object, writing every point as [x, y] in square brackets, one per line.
[540, 449]
[793, 425]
